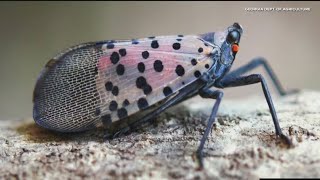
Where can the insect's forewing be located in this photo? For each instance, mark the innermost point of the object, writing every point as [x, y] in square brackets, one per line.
[135, 75]
[101, 82]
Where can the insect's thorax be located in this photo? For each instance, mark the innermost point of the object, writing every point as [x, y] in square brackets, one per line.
[218, 69]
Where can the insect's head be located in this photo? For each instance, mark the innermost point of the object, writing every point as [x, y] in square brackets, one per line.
[228, 42]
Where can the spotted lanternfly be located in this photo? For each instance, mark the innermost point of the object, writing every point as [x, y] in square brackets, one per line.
[95, 84]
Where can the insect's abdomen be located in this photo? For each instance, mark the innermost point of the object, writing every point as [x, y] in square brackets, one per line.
[65, 96]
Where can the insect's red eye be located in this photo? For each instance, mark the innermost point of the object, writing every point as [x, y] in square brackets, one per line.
[235, 48]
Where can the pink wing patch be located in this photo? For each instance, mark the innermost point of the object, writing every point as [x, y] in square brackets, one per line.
[134, 75]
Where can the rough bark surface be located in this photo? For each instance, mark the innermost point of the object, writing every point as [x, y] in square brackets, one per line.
[242, 145]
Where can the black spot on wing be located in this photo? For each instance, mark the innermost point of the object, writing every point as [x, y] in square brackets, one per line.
[122, 113]
[125, 102]
[115, 90]
[113, 106]
[154, 44]
[145, 54]
[176, 46]
[115, 58]
[142, 103]
[122, 52]
[147, 89]
[141, 67]
[158, 66]
[108, 85]
[197, 74]
[194, 62]
[141, 82]
[120, 69]
[167, 91]
[180, 70]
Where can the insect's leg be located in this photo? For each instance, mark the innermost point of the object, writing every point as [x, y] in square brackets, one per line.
[252, 79]
[207, 93]
[259, 61]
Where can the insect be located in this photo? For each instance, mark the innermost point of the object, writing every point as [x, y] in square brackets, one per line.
[98, 83]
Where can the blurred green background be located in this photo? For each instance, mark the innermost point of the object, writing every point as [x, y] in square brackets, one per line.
[33, 32]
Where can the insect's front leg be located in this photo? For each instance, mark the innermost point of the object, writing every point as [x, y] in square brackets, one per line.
[229, 81]
[207, 93]
[254, 63]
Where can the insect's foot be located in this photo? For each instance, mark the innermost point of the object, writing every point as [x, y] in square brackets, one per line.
[284, 139]
[198, 156]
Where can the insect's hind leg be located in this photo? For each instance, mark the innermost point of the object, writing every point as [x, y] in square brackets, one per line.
[253, 79]
[259, 61]
[207, 93]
